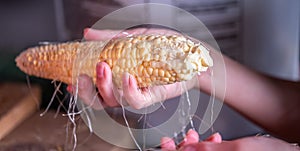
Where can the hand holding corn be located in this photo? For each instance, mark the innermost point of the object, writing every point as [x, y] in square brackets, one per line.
[149, 59]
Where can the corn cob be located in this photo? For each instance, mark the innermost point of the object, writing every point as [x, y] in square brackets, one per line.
[151, 59]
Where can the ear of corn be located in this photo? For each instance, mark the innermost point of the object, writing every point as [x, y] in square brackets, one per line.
[151, 59]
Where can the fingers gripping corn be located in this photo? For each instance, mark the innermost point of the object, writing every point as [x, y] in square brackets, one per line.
[151, 59]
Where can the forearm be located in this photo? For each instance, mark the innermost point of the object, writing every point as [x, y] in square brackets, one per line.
[273, 104]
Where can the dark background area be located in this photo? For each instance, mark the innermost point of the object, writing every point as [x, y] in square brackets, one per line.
[25, 24]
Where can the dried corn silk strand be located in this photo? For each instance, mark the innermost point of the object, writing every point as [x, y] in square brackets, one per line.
[127, 124]
[212, 100]
[185, 89]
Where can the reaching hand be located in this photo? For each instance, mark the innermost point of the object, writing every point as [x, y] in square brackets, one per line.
[215, 143]
[192, 137]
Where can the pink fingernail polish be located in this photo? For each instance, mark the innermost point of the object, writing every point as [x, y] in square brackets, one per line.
[126, 79]
[85, 31]
[130, 80]
[215, 138]
[100, 70]
[70, 88]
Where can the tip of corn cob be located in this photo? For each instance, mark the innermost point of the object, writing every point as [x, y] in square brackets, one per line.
[51, 61]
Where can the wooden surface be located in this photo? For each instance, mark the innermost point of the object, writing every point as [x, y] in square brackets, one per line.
[39, 133]
[17, 102]
[22, 127]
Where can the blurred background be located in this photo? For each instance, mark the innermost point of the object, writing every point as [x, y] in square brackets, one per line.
[263, 35]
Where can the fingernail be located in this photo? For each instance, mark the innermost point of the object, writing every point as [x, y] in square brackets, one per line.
[192, 133]
[216, 138]
[189, 148]
[217, 133]
[70, 88]
[167, 143]
[81, 82]
[126, 79]
[100, 70]
[85, 31]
